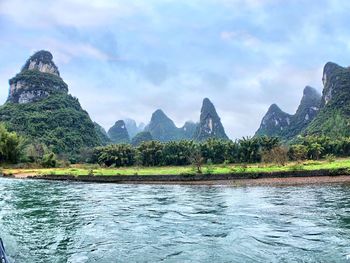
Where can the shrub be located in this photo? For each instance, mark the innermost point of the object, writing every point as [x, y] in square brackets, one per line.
[330, 158]
[315, 151]
[49, 160]
[214, 150]
[209, 169]
[10, 146]
[249, 150]
[196, 160]
[277, 155]
[115, 155]
[296, 167]
[177, 153]
[150, 153]
[242, 168]
[297, 152]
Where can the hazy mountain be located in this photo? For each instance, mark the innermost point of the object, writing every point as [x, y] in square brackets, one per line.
[308, 109]
[118, 133]
[188, 130]
[133, 128]
[162, 128]
[144, 136]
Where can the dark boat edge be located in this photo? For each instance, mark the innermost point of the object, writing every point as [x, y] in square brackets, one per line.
[3, 257]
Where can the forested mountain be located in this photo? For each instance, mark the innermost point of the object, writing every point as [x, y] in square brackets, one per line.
[102, 134]
[274, 122]
[118, 133]
[39, 107]
[162, 128]
[333, 118]
[279, 123]
[308, 109]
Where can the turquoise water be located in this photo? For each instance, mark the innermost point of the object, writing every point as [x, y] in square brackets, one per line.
[75, 222]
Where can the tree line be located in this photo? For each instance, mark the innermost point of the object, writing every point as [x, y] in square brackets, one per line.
[245, 150]
[14, 149]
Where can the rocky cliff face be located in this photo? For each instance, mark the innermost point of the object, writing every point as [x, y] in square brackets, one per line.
[274, 122]
[333, 118]
[41, 61]
[118, 133]
[210, 125]
[38, 79]
[162, 128]
[278, 123]
[309, 105]
[335, 78]
[308, 109]
[188, 130]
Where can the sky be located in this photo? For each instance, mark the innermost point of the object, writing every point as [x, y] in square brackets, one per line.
[126, 59]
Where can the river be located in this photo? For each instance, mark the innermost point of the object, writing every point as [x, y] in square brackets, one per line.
[42, 221]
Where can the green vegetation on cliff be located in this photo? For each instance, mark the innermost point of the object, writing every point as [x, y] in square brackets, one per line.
[274, 122]
[58, 121]
[40, 109]
[144, 136]
[118, 133]
[40, 80]
[334, 117]
[162, 128]
[278, 123]
[102, 134]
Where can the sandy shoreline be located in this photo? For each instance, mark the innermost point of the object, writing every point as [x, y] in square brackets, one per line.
[270, 181]
[264, 181]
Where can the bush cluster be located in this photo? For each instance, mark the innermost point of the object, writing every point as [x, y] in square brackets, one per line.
[10, 146]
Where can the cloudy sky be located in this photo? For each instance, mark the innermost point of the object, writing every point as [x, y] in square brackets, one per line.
[128, 58]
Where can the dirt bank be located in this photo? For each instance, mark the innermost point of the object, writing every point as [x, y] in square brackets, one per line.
[243, 179]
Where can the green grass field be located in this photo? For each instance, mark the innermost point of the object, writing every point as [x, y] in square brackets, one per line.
[81, 170]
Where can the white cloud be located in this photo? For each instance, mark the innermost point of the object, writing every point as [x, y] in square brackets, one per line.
[78, 13]
[240, 37]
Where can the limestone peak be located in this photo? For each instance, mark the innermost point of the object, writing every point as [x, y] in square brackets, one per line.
[210, 125]
[41, 61]
[39, 78]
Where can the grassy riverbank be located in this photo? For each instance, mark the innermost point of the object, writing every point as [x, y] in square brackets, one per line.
[81, 170]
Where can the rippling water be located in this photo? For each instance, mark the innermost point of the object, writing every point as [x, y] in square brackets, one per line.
[75, 222]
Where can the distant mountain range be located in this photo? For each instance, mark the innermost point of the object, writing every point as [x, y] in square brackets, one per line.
[40, 108]
[163, 129]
